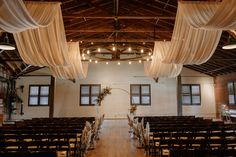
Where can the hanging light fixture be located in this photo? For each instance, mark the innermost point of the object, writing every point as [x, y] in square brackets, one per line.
[113, 48]
[231, 44]
[129, 49]
[6, 45]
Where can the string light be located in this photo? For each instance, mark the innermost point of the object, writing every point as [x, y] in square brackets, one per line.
[118, 63]
[106, 62]
[141, 50]
[90, 60]
[140, 61]
[129, 48]
[99, 50]
[70, 40]
[91, 43]
[96, 61]
[84, 58]
[149, 53]
[82, 54]
[130, 62]
[147, 59]
[151, 57]
[113, 48]
[88, 52]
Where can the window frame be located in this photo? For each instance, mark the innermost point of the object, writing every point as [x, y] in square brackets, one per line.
[39, 95]
[191, 95]
[234, 93]
[140, 95]
[90, 95]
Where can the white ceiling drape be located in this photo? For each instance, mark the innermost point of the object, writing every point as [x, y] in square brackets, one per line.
[156, 68]
[190, 45]
[39, 33]
[215, 15]
[73, 70]
[16, 17]
[44, 46]
[198, 29]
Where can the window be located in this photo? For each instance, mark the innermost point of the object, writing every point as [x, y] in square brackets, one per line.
[140, 94]
[232, 93]
[88, 94]
[39, 95]
[191, 94]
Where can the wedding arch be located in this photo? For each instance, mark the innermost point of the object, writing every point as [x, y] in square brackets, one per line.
[107, 91]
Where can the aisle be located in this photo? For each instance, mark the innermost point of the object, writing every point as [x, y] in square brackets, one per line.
[115, 141]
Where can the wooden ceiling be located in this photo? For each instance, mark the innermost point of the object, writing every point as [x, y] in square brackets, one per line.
[122, 24]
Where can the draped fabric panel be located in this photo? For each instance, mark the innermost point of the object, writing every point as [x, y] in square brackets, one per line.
[76, 69]
[39, 33]
[211, 16]
[156, 68]
[190, 45]
[16, 17]
[198, 29]
[44, 46]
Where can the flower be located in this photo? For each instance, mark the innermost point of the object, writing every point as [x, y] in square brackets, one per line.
[133, 108]
[102, 95]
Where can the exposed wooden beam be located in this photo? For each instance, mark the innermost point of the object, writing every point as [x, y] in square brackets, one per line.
[221, 68]
[129, 30]
[223, 59]
[11, 59]
[29, 70]
[120, 17]
[117, 40]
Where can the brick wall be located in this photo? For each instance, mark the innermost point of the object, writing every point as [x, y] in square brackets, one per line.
[221, 90]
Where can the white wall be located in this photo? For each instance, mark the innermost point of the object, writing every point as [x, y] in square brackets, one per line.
[116, 105]
[208, 105]
[30, 111]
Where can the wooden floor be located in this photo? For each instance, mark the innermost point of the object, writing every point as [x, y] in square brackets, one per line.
[115, 141]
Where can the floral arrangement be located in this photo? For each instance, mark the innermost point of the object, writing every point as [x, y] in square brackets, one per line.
[103, 94]
[133, 108]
